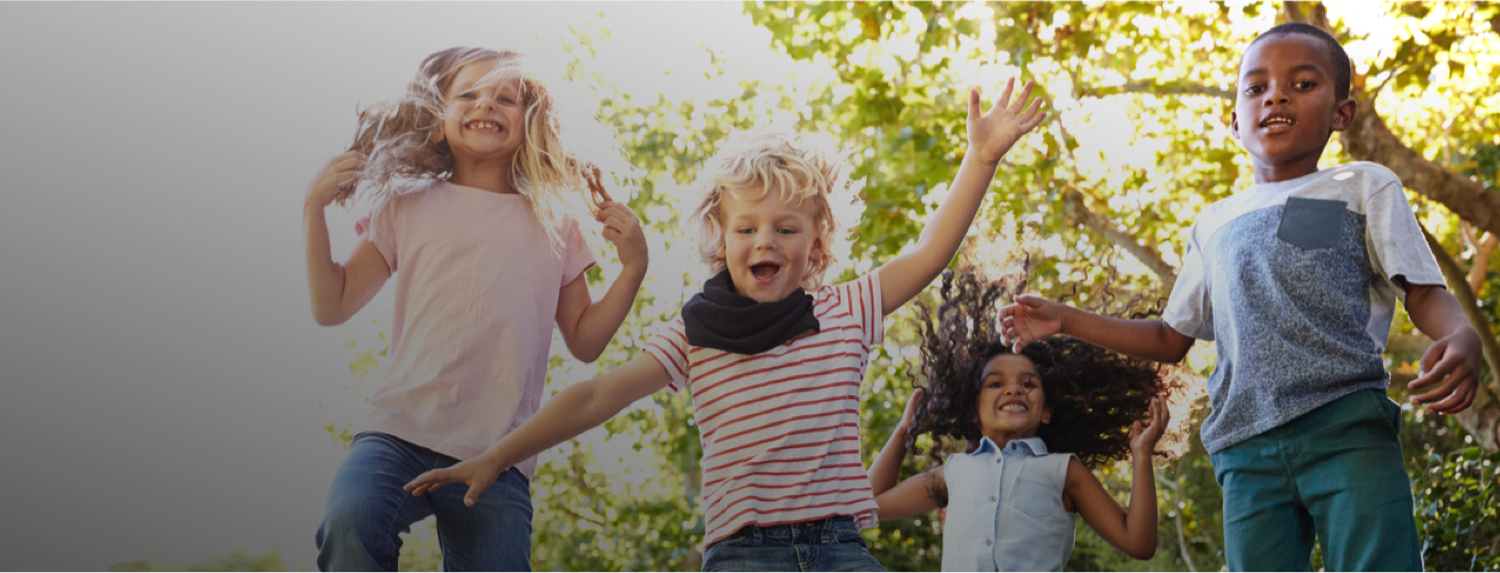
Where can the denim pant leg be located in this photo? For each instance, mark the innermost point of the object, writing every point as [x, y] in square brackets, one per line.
[845, 550]
[1354, 479]
[367, 510]
[495, 534]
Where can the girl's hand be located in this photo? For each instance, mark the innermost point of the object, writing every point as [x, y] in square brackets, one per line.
[1028, 320]
[1452, 365]
[478, 473]
[917, 397]
[623, 228]
[339, 171]
[992, 134]
[1143, 440]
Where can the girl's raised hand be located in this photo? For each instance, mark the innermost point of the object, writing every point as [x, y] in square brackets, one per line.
[992, 134]
[476, 472]
[623, 228]
[917, 397]
[340, 170]
[1143, 440]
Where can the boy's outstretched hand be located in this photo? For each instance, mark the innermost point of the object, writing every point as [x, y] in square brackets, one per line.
[992, 134]
[1451, 366]
[1028, 320]
[478, 473]
[1143, 440]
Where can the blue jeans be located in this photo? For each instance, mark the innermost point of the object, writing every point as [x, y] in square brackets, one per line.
[367, 511]
[831, 544]
[1335, 475]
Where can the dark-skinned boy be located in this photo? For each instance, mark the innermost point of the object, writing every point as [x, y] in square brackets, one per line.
[1295, 279]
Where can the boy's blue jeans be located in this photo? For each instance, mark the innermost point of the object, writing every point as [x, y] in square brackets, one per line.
[830, 544]
[1335, 473]
[367, 511]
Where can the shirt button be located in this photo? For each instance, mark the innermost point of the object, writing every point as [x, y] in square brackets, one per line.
[993, 498]
[988, 541]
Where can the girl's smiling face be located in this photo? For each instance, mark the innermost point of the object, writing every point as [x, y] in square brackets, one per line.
[1011, 402]
[484, 119]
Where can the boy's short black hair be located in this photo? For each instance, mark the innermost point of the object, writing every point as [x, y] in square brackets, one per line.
[1342, 68]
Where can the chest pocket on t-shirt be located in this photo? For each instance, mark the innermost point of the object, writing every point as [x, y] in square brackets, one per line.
[1312, 223]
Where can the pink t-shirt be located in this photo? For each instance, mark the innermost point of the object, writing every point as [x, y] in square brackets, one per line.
[780, 429]
[476, 296]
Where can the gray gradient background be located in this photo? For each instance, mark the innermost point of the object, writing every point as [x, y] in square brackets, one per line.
[162, 376]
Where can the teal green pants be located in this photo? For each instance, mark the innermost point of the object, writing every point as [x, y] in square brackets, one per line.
[1335, 474]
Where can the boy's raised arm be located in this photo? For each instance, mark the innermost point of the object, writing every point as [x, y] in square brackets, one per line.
[572, 412]
[990, 136]
[1032, 318]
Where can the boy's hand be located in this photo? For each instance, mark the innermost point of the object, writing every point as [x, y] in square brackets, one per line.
[1143, 440]
[338, 172]
[623, 228]
[1028, 320]
[477, 473]
[992, 134]
[1452, 364]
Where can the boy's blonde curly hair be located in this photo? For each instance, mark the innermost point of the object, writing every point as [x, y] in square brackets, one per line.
[799, 167]
[398, 139]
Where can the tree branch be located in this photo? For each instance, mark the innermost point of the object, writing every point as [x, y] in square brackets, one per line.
[1369, 139]
[1075, 208]
[1177, 88]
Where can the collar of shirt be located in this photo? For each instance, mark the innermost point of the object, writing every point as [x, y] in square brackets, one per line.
[1033, 446]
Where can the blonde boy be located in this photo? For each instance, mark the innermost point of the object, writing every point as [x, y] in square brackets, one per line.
[775, 371]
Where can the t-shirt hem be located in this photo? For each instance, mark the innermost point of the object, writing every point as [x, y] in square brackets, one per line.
[1216, 445]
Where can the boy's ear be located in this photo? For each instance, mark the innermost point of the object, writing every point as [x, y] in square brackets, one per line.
[1234, 125]
[817, 250]
[1047, 415]
[1343, 114]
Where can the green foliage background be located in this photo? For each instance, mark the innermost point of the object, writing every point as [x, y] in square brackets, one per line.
[1139, 96]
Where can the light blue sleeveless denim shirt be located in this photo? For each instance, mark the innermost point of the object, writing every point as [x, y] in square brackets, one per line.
[1005, 510]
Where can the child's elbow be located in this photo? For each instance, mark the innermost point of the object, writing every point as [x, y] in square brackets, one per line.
[327, 317]
[1142, 553]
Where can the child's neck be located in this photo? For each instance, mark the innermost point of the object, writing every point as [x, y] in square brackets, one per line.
[493, 175]
[1002, 437]
[1266, 172]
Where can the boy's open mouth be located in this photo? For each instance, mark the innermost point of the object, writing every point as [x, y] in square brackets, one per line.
[765, 270]
[1014, 406]
[1278, 123]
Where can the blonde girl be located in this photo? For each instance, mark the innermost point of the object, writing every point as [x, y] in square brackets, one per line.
[470, 174]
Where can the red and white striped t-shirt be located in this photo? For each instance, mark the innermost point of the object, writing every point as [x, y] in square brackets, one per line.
[780, 429]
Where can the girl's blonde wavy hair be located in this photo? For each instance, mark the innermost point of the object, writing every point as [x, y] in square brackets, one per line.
[799, 167]
[398, 139]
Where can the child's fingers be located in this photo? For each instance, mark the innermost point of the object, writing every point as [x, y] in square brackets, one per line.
[1022, 99]
[1455, 395]
[1003, 102]
[973, 102]
[1432, 374]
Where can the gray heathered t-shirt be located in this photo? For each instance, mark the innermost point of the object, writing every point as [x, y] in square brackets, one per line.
[1294, 280]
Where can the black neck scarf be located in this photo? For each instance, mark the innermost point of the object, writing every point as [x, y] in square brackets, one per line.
[723, 319]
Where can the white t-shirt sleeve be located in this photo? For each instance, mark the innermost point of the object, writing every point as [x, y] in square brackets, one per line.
[1397, 246]
[1189, 309]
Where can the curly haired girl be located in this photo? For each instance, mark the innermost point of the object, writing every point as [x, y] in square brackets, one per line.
[1031, 422]
[469, 173]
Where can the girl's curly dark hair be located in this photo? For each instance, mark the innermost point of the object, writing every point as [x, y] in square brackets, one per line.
[1095, 394]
